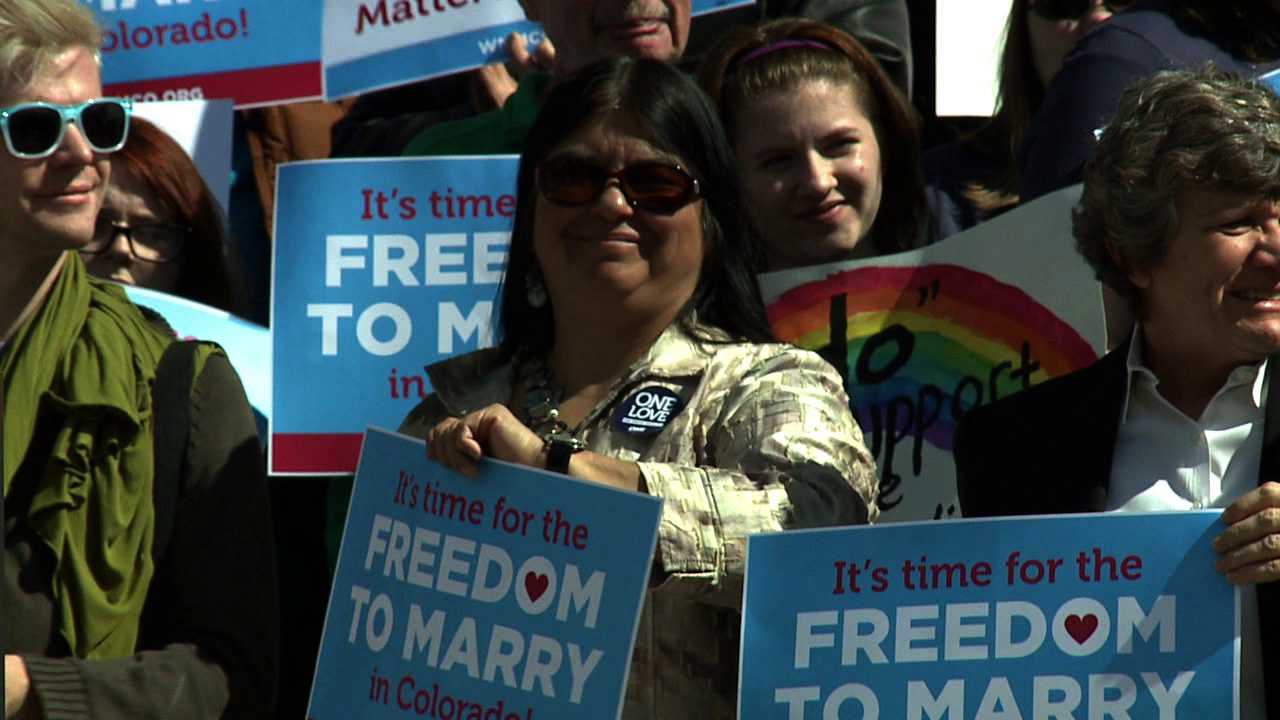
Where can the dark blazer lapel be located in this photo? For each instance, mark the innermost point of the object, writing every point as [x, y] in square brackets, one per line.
[1269, 593]
[1093, 429]
[1271, 428]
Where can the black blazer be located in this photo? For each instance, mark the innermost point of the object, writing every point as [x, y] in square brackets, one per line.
[1048, 449]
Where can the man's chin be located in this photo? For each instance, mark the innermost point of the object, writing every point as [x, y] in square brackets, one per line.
[654, 46]
[66, 233]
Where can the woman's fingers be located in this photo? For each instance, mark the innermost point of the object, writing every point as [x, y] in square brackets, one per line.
[460, 443]
[466, 443]
[452, 444]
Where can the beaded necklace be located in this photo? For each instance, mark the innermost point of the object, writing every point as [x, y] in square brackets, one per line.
[542, 399]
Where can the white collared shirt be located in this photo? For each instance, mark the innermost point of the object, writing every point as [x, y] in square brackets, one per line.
[1165, 460]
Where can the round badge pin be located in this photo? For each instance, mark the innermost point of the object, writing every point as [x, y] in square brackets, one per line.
[647, 411]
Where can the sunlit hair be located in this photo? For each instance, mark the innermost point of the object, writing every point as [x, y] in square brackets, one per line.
[35, 32]
[1174, 132]
[732, 83]
[208, 272]
[676, 117]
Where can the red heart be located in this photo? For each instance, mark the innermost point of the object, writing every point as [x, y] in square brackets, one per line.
[1081, 628]
[535, 584]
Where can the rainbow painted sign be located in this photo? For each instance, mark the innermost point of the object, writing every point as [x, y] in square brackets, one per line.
[925, 336]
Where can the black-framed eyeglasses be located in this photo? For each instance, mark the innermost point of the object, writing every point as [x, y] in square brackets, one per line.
[34, 130]
[1071, 9]
[150, 242]
[650, 185]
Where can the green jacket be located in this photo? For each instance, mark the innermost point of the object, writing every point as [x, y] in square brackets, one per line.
[499, 132]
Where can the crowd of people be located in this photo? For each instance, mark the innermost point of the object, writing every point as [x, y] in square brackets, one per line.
[663, 165]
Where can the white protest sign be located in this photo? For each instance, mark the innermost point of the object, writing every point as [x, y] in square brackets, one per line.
[924, 336]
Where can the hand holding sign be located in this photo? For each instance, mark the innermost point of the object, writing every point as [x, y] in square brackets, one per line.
[494, 432]
[492, 84]
[460, 443]
[1249, 549]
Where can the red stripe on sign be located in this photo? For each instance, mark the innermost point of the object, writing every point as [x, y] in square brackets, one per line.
[315, 453]
[257, 86]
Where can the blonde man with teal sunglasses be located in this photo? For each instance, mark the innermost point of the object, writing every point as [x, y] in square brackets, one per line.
[138, 582]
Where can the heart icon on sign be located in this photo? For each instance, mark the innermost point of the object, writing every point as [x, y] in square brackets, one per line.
[1080, 628]
[536, 583]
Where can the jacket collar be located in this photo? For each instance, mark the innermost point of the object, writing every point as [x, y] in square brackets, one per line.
[1136, 371]
[485, 377]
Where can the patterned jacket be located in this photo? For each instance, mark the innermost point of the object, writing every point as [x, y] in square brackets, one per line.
[764, 442]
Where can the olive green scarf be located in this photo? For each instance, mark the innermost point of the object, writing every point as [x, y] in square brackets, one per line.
[88, 358]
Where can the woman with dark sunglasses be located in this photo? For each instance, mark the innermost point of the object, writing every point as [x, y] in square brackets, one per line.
[1241, 37]
[160, 226]
[629, 287]
[975, 178]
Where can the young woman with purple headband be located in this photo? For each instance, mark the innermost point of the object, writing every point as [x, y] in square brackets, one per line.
[828, 151]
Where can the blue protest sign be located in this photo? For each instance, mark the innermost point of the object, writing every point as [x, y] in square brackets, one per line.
[372, 44]
[381, 267]
[248, 345]
[1116, 615]
[254, 52]
[512, 595]
[369, 44]
[701, 7]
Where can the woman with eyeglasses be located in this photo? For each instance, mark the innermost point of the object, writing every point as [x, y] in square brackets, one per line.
[160, 226]
[629, 274]
[1241, 37]
[975, 178]
[828, 152]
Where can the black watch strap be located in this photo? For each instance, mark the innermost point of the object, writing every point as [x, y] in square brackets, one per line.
[561, 447]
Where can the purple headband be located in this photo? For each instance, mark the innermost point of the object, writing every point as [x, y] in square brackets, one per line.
[780, 45]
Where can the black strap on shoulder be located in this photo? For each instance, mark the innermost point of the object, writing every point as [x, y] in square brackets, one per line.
[171, 423]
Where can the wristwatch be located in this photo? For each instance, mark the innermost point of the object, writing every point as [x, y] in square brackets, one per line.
[560, 447]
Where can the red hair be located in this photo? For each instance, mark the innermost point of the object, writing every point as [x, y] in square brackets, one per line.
[158, 162]
[744, 65]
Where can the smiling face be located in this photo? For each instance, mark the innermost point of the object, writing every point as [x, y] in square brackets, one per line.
[1217, 290]
[584, 31]
[630, 262]
[810, 168]
[50, 205]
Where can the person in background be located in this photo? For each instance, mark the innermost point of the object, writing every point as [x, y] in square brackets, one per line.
[582, 31]
[629, 273]
[1239, 36]
[828, 151]
[883, 27]
[131, 588]
[160, 226]
[973, 179]
[1180, 214]
[384, 122]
